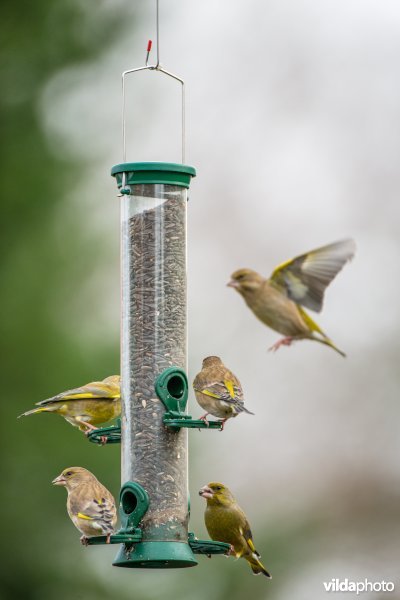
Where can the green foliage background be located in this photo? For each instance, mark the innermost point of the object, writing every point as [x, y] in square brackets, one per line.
[43, 261]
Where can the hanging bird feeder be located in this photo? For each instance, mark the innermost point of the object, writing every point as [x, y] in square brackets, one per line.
[154, 499]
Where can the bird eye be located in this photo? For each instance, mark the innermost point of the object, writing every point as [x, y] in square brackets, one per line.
[68, 473]
[218, 488]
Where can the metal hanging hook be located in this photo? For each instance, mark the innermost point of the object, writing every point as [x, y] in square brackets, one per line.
[155, 67]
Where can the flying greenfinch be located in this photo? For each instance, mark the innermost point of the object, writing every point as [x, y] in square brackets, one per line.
[218, 391]
[278, 301]
[226, 522]
[87, 406]
[90, 505]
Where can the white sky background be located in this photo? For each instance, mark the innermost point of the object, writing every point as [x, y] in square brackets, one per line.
[293, 123]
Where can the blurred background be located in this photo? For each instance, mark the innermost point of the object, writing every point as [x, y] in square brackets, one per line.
[293, 125]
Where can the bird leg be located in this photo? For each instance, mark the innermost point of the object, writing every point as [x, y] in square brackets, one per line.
[231, 551]
[90, 428]
[222, 423]
[85, 426]
[286, 341]
[84, 540]
[108, 538]
[204, 418]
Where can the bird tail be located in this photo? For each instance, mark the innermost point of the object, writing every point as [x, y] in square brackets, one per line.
[316, 332]
[257, 567]
[35, 410]
[325, 340]
[247, 411]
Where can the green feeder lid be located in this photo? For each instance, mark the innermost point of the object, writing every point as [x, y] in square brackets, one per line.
[154, 172]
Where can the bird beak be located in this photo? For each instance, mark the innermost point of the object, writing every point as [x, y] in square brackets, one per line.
[60, 480]
[233, 284]
[206, 492]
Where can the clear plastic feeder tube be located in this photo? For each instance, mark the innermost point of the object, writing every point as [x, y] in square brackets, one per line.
[154, 337]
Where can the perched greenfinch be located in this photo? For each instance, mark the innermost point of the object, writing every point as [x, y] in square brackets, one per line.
[218, 391]
[90, 505]
[226, 522]
[278, 301]
[87, 406]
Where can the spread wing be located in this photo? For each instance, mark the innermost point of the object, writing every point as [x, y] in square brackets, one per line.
[305, 278]
[109, 388]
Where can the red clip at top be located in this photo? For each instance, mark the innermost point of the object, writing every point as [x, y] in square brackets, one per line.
[149, 44]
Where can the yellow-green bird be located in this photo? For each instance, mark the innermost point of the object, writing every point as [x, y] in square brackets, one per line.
[218, 391]
[87, 406]
[90, 505]
[226, 522]
[278, 301]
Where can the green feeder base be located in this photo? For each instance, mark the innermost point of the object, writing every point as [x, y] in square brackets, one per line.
[155, 555]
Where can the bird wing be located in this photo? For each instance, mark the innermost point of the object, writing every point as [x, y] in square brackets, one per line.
[226, 391]
[98, 508]
[91, 391]
[305, 278]
[246, 532]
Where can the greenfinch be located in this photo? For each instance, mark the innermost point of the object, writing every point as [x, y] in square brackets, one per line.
[218, 391]
[226, 522]
[91, 507]
[87, 406]
[278, 301]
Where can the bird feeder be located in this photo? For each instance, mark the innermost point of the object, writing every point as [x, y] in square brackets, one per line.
[153, 352]
[154, 498]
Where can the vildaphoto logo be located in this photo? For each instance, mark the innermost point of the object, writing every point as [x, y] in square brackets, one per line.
[346, 585]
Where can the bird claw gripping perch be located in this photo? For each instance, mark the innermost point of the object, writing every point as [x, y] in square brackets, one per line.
[106, 435]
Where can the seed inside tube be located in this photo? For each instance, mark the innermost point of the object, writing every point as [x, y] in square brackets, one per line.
[154, 305]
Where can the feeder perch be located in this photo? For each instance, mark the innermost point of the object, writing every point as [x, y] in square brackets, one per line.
[111, 433]
[207, 547]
